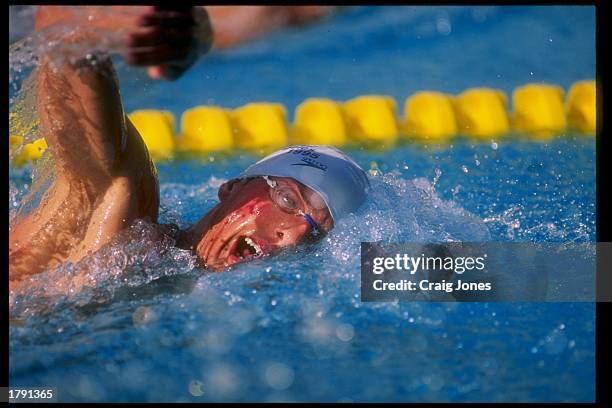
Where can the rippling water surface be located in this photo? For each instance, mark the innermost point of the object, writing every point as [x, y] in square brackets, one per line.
[150, 326]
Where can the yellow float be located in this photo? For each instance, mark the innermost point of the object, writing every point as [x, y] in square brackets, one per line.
[29, 152]
[14, 142]
[205, 129]
[429, 116]
[538, 110]
[581, 107]
[481, 112]
[157, 131]
[260, 126]
[371, 119]
[319, 121]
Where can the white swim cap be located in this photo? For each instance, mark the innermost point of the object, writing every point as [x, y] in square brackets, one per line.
[328, 171]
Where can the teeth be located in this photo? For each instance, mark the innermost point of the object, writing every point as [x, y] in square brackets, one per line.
[253, 245]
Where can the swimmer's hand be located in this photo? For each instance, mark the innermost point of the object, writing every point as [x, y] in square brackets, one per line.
[169, 40]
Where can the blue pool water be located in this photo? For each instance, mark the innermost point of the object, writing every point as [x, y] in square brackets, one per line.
[292, 327]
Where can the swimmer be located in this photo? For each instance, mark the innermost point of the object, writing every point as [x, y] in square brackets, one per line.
[105, 180]
[164, 33]
[167, 40]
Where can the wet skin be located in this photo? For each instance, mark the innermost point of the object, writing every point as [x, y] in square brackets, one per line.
[248, 224]
[103, 176]
[105, 180]
[161, 37]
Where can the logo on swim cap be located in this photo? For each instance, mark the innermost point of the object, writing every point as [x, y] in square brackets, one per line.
[308, 158]
[327, 170]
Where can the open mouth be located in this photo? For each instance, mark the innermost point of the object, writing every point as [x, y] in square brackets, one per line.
[246, 248]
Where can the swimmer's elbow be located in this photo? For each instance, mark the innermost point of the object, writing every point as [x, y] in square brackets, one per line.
[78, 49]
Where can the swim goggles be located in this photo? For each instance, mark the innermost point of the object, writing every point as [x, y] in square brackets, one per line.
[285, 199]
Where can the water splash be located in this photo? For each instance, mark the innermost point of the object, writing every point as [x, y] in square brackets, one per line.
[133, 258]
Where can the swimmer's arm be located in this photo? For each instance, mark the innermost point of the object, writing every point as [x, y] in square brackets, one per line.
[82, 119]
[104, 178]
[234, 25]
[166, 39]
[122, 16]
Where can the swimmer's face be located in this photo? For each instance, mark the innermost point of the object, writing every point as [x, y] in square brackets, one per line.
[254, 219]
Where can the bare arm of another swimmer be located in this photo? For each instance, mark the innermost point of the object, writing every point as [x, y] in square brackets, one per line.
[165, 39]
[104, 178]
[161, 37]
[234, 25]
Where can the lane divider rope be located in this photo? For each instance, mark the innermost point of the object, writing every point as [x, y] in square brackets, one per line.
[540, 111]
